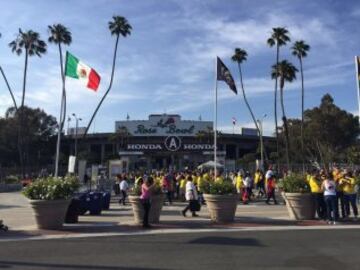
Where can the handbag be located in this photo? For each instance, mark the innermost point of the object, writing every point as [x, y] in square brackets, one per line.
[195, 206]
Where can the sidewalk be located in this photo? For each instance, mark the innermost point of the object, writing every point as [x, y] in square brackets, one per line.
[17, 214]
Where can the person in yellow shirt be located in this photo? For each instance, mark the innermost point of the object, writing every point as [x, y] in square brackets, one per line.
[182, 187]
[239, 183]
[259, 181]
[349, 184]
[317, 194]
[338, 176]
[200, 184]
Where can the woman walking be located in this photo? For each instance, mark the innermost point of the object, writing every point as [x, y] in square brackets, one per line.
[191, 196]
[329, 188]
[145, 197]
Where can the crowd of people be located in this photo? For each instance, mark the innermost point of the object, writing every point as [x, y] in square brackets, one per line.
[334, 191]
[329, 190]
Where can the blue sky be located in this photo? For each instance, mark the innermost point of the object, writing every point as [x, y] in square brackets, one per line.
[167, 64]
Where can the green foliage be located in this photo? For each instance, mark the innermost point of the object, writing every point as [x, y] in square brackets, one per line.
[220, 188]
[294, 183]
[156, 190]
[12, 179]
[38, 132]
[357, 180]
[51, 188]
[330, 134]
[136, 191]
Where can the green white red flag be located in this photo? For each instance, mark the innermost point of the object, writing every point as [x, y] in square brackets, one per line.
[76, 69]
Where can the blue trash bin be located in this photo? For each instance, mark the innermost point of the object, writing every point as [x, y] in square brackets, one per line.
[84, 199]
[106, 196]
[95, 203]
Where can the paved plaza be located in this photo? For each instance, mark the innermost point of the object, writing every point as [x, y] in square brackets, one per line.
[118, 220]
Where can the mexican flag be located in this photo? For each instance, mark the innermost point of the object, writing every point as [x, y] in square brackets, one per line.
[74, 68]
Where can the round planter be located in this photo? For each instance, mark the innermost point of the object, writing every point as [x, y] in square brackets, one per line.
[222, 208]
[155, 210]
[50, 214]
[299, 205]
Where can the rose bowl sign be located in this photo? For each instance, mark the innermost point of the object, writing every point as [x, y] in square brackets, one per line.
[171, 144]
[163, 125]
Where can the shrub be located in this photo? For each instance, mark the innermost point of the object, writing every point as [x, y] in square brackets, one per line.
[294, 183]
[51, 188]
[136, 190]
[12, 179]
[220, 188]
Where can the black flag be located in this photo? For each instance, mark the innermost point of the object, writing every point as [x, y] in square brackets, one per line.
[223, 74]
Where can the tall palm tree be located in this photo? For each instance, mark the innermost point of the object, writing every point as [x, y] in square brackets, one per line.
[59, 34]
[31, 43]
[119, 26]
[278, 38]
[286, 72]
[300, 50]
[239, 57]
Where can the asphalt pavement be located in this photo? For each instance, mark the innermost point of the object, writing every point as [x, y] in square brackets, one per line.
[300, 250]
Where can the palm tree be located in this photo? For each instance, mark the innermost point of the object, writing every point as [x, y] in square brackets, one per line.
[59, 34]
[119, 26]
[286, 72]
[300, 50]
[279, 37]
[240, 56]
[31, 43]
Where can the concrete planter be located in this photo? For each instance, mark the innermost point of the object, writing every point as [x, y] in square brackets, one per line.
[222, 208]
[157, 202]
[300, 206]
[50, 215]
[10, 187]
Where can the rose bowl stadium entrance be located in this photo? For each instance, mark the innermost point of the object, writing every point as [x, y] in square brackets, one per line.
[171, 152]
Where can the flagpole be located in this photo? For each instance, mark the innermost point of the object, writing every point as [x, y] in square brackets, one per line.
[62, 116]
[357, 84]
[215, 121]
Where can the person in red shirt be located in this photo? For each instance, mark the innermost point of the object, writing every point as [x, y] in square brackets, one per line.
[270, 187]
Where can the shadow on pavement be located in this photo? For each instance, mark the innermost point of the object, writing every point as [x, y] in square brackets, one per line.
[227, 241]
[23, 265]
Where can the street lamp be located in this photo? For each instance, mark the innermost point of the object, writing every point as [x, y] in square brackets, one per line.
[76, 131]
[260, 122]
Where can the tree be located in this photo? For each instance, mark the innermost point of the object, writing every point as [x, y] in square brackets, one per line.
[300, 50]
[39, 130]
[286, 72]
[278, 38]
[240, 56]
[59, 34]
[330, 134]
[119, 26]
[32, 44]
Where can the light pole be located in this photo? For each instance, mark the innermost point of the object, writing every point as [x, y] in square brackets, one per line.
[68, 125]
[76, 131]
[261, 140]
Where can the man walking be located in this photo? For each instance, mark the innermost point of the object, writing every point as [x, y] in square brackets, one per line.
[124, 186]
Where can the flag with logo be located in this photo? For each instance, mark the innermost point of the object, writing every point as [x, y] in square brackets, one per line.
[234, 121]
[223, 74]
[76, 69]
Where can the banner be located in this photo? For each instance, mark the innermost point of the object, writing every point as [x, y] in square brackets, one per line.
[71, 167]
